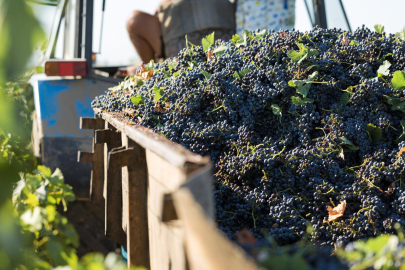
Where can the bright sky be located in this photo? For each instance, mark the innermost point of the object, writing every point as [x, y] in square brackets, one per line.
[117, 49]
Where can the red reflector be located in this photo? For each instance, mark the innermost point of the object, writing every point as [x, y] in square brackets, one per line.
[66, 68]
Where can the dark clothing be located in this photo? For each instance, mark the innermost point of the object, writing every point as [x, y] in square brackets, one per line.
[196, 19]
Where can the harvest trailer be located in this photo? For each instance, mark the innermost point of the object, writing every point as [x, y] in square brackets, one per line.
[64, 94]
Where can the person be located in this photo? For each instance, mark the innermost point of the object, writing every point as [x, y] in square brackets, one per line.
[163, 35]
[265, 14]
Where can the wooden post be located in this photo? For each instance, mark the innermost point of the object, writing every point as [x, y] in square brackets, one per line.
[134, 159]
[96, 158]
[112, 186]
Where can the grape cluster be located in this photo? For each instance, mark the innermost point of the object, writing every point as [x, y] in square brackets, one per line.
[285, 118]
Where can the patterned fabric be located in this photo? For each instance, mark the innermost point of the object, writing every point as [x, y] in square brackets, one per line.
[181, 17]
[173, 47]
[264, 14]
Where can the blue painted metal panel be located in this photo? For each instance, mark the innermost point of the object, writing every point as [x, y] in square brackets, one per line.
[62, 102]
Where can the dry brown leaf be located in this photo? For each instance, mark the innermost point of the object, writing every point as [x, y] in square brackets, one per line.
[157, 108]
[147, 74]
[336, 212]
[401, 151]
[128, 92]
[390, 189]
[142, 68]
[245, 236]
[175, 60]
[210, 55]
[257, 56]
[345, 40]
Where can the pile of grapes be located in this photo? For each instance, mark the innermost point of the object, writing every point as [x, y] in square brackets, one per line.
[301, 127]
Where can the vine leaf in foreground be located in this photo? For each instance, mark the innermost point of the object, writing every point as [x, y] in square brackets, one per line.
[401, 138]
[336, 212]
[137, 100]
[374, 132]
[398, 80]
[384, 69]
[347, 145]
[379, 28]
[396, 103]
[304, 52]
[208, 41]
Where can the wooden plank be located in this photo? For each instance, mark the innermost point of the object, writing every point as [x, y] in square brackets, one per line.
[113, 199]
[97, 174]
[91, 123]
[84, 157]
[199, 183]
[110, 139]
[137, 228]
[206, 247]
[168, 211]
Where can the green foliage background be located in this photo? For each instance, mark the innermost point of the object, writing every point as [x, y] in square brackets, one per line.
[33, 235]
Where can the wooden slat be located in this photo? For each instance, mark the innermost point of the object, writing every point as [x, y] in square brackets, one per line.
[113, 198]
[85, 157]
[91, 123]
[109, 139]
[137, 228]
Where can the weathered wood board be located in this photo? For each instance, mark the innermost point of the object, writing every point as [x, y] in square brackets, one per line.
[159, 194]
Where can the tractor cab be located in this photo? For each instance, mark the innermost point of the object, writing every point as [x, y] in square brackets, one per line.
[74, 76]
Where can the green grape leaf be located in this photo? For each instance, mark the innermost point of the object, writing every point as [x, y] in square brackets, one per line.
[51, 213]
[313, 52]
[386, 56]
[398, 80]
[238, 41]
[277, 111]
[374, 132]
[44, 170]
[176, 74]
[206, 74]
[220, 50]
[42, 192]
[302, 86]
[208, 41]
[301, 101]
[33, 181]
[33, 218]
[261, 34]
[150, 66]
[236, 75]
[396, 103]
[138, 82]
[158, 93]
[302, 54]
[379, 28]
[347, 145]
[401, 34]
[56, 177]
[401, 138]
[156, 121]
[384, 68]
[297, 55]
[344, 99]
[243, 72]
[137, 100]
[354, 42]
